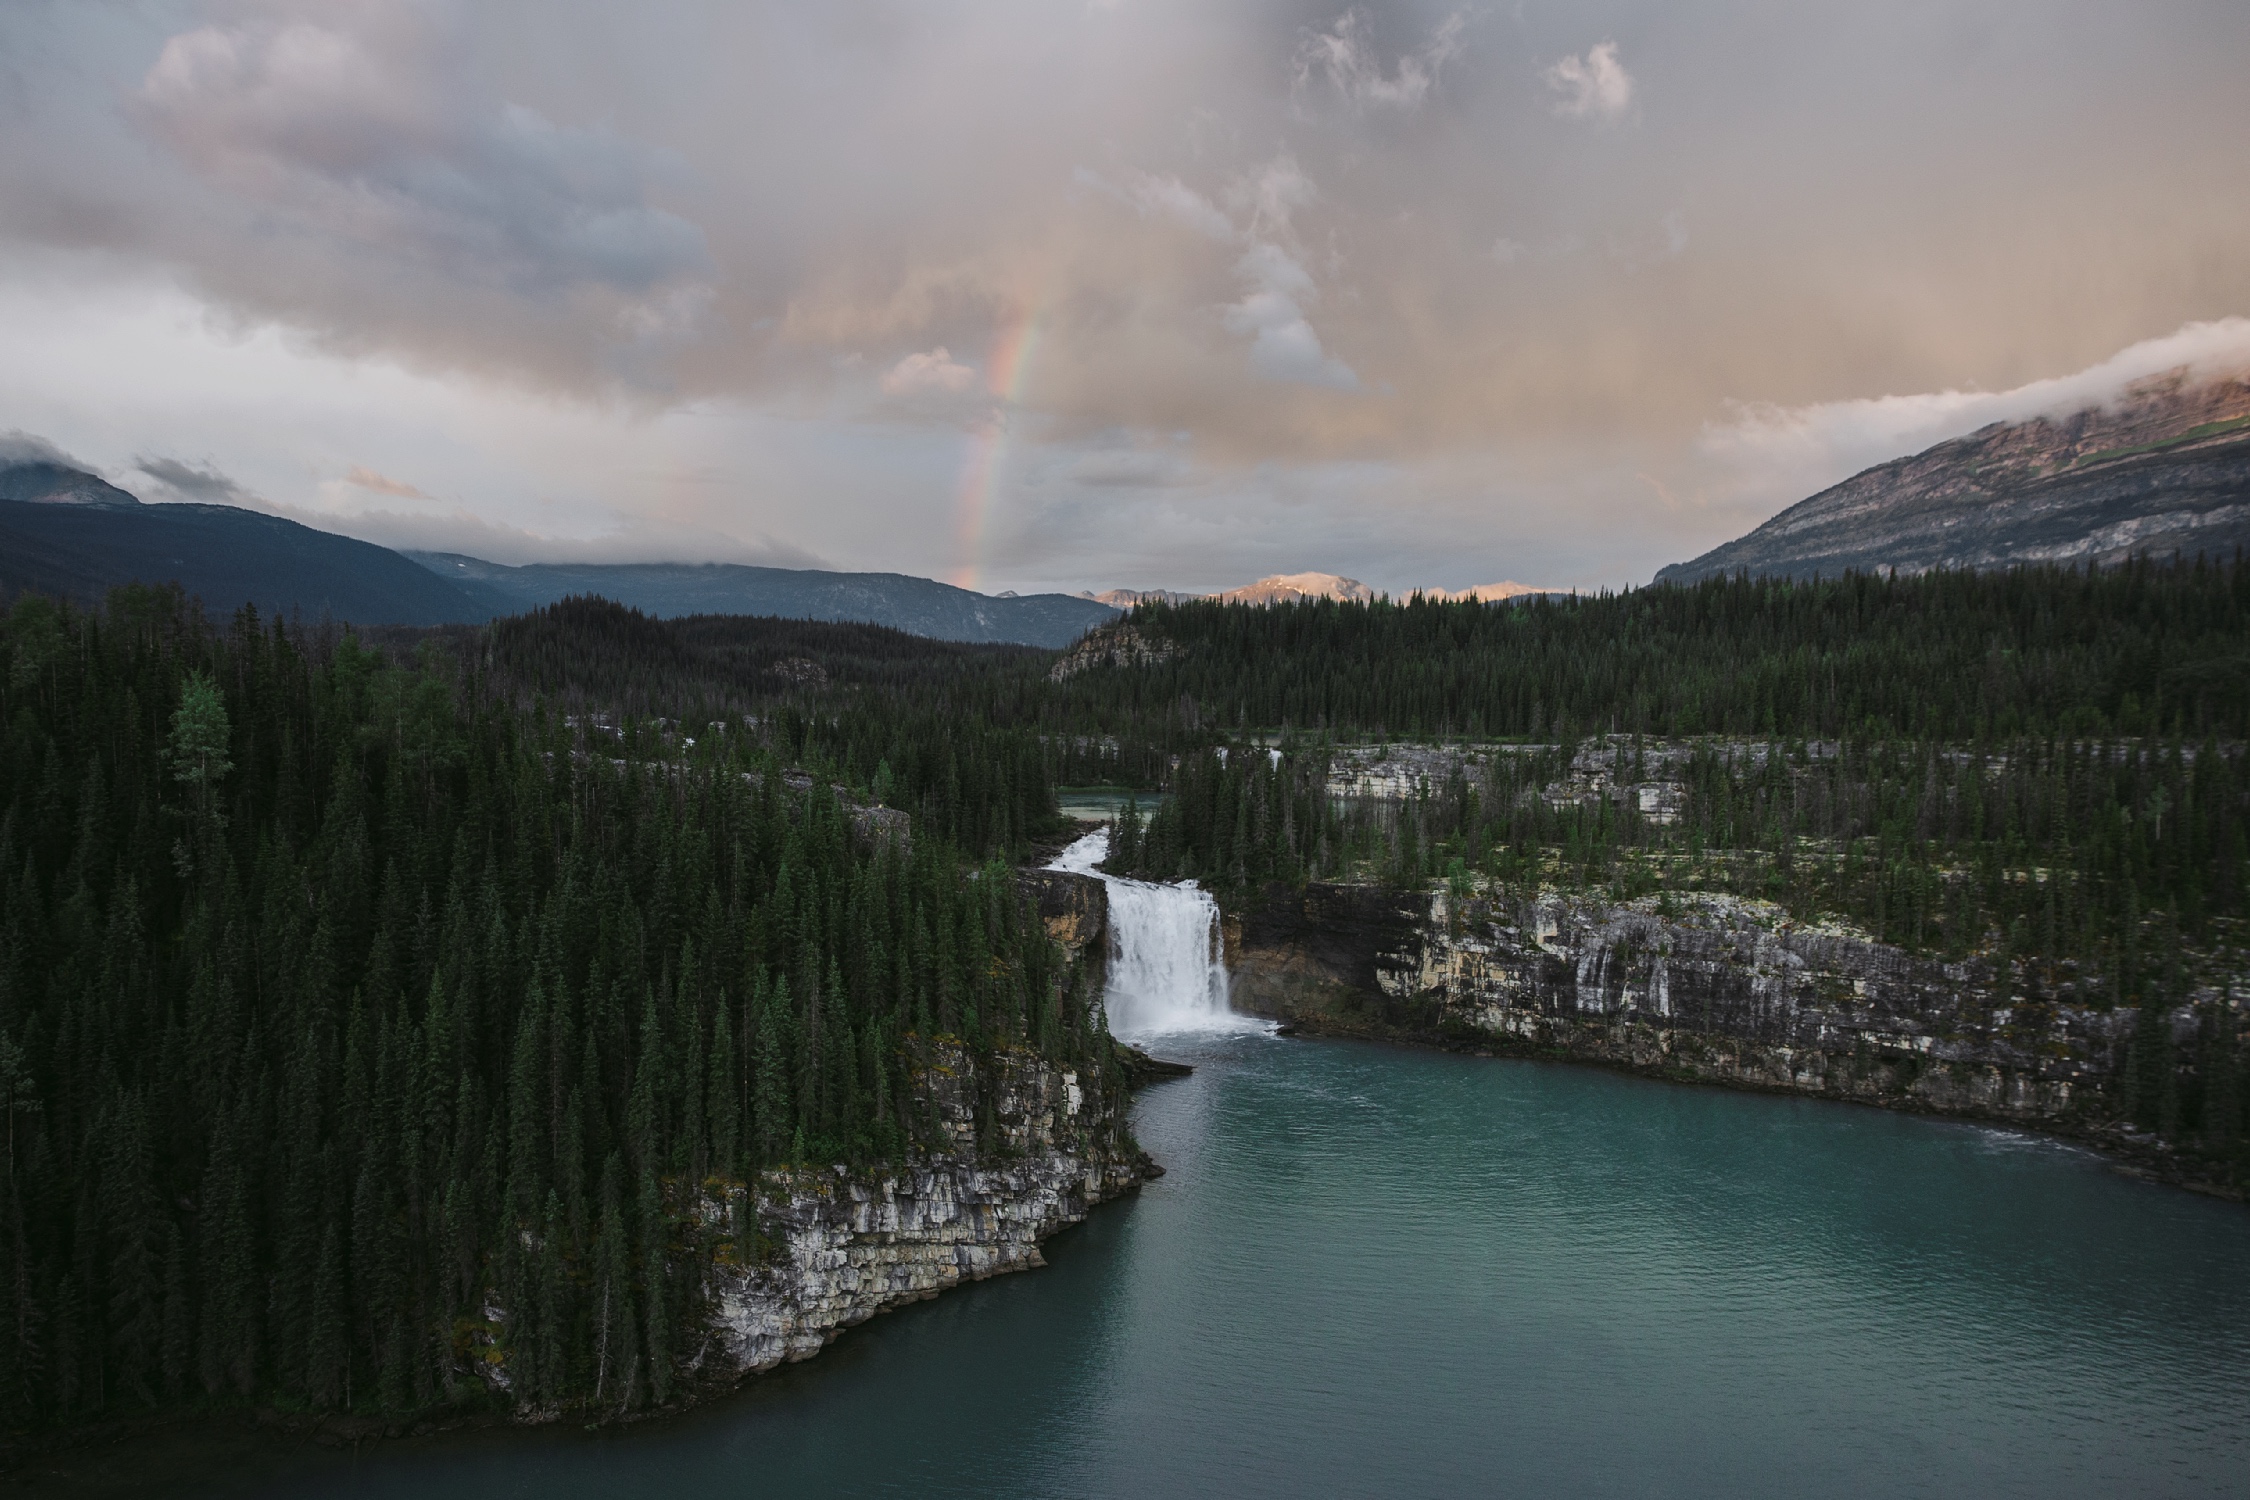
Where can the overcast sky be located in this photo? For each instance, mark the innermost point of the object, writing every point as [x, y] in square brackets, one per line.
[1079, 295]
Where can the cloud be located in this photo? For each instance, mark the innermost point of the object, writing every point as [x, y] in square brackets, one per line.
[1129, 469]
[1346, 56]
[362, 477]
[933, 374]
[1595, 86]
[18, 447]
[368, 138]
[461, 531]
[1284, 346]
[1276, 288]
[205, 485]
[1171, 198]
[607, 253]
[1271, 196]
[1799, 450]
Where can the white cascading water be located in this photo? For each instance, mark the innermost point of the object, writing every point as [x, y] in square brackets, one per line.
[1167, 965]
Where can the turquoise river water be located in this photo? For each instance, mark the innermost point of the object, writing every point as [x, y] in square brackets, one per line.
[1382, 1272]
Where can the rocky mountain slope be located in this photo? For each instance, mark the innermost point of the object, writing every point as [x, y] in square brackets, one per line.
[2166, 468]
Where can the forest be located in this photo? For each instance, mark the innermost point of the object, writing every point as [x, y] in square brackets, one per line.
[2144, 649]
[331, 987]
[348, 976]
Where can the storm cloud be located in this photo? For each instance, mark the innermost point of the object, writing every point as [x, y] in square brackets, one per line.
[1422, 293]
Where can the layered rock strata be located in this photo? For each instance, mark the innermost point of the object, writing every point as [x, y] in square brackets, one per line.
[1705, 987]
[1026, 1151]
[1022, 1148]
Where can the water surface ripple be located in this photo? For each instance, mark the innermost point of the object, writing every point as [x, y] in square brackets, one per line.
[1382, 1272]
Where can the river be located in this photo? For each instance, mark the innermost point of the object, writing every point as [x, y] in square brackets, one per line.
[1378, 1271]
[1373, 1271]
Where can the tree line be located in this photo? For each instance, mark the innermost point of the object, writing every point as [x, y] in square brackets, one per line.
[2142, 649]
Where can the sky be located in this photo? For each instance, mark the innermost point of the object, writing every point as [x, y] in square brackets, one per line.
[1095, 293]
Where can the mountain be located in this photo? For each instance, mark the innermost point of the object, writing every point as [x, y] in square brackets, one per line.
[1127, 598]
[64, 531]
[919, 606]
[2164, 468]
[68, 532]
[1288, 588]
[51, 483]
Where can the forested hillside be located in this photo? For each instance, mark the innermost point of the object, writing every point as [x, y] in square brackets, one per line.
[2044, 771]
[2142, 649]
[337, 996]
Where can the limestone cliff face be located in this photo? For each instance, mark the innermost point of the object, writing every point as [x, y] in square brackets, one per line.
[1023, 1148]
[848, 1247]
[1711, 987]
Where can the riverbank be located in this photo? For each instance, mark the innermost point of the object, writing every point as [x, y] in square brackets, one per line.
[1398, 1271]
[784, 1265]
[1715, 990]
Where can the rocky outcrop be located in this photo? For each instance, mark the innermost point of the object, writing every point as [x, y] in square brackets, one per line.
[1121, 644]
[1701, 987]
[1317, 955]
[1027, 1148]
[873, 824]
[1075, 910]
[2164, 469]
[1016, 1148]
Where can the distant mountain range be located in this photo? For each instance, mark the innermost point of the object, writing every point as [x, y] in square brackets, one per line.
[1288, 588]
[68, 532]
[2164, 469]
[919, 606]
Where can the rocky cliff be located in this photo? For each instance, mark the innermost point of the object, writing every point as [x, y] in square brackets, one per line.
[2165, 468]
[1074, 909]
[1707, 988]
[845, 1248]
[1023, 1148]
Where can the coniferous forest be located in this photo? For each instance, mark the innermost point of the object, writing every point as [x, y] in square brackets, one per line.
[346, 978]
[329, 987]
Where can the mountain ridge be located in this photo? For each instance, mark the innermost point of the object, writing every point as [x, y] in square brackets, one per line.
[66, 531]
[2164, 468]
[1289, 588]
[919, 606]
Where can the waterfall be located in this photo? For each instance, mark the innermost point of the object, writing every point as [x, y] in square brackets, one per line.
[1167, 965]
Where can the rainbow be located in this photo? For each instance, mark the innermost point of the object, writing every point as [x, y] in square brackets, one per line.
[1004, 373]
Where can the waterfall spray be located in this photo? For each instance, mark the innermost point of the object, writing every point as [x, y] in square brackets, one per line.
[1167, 964]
